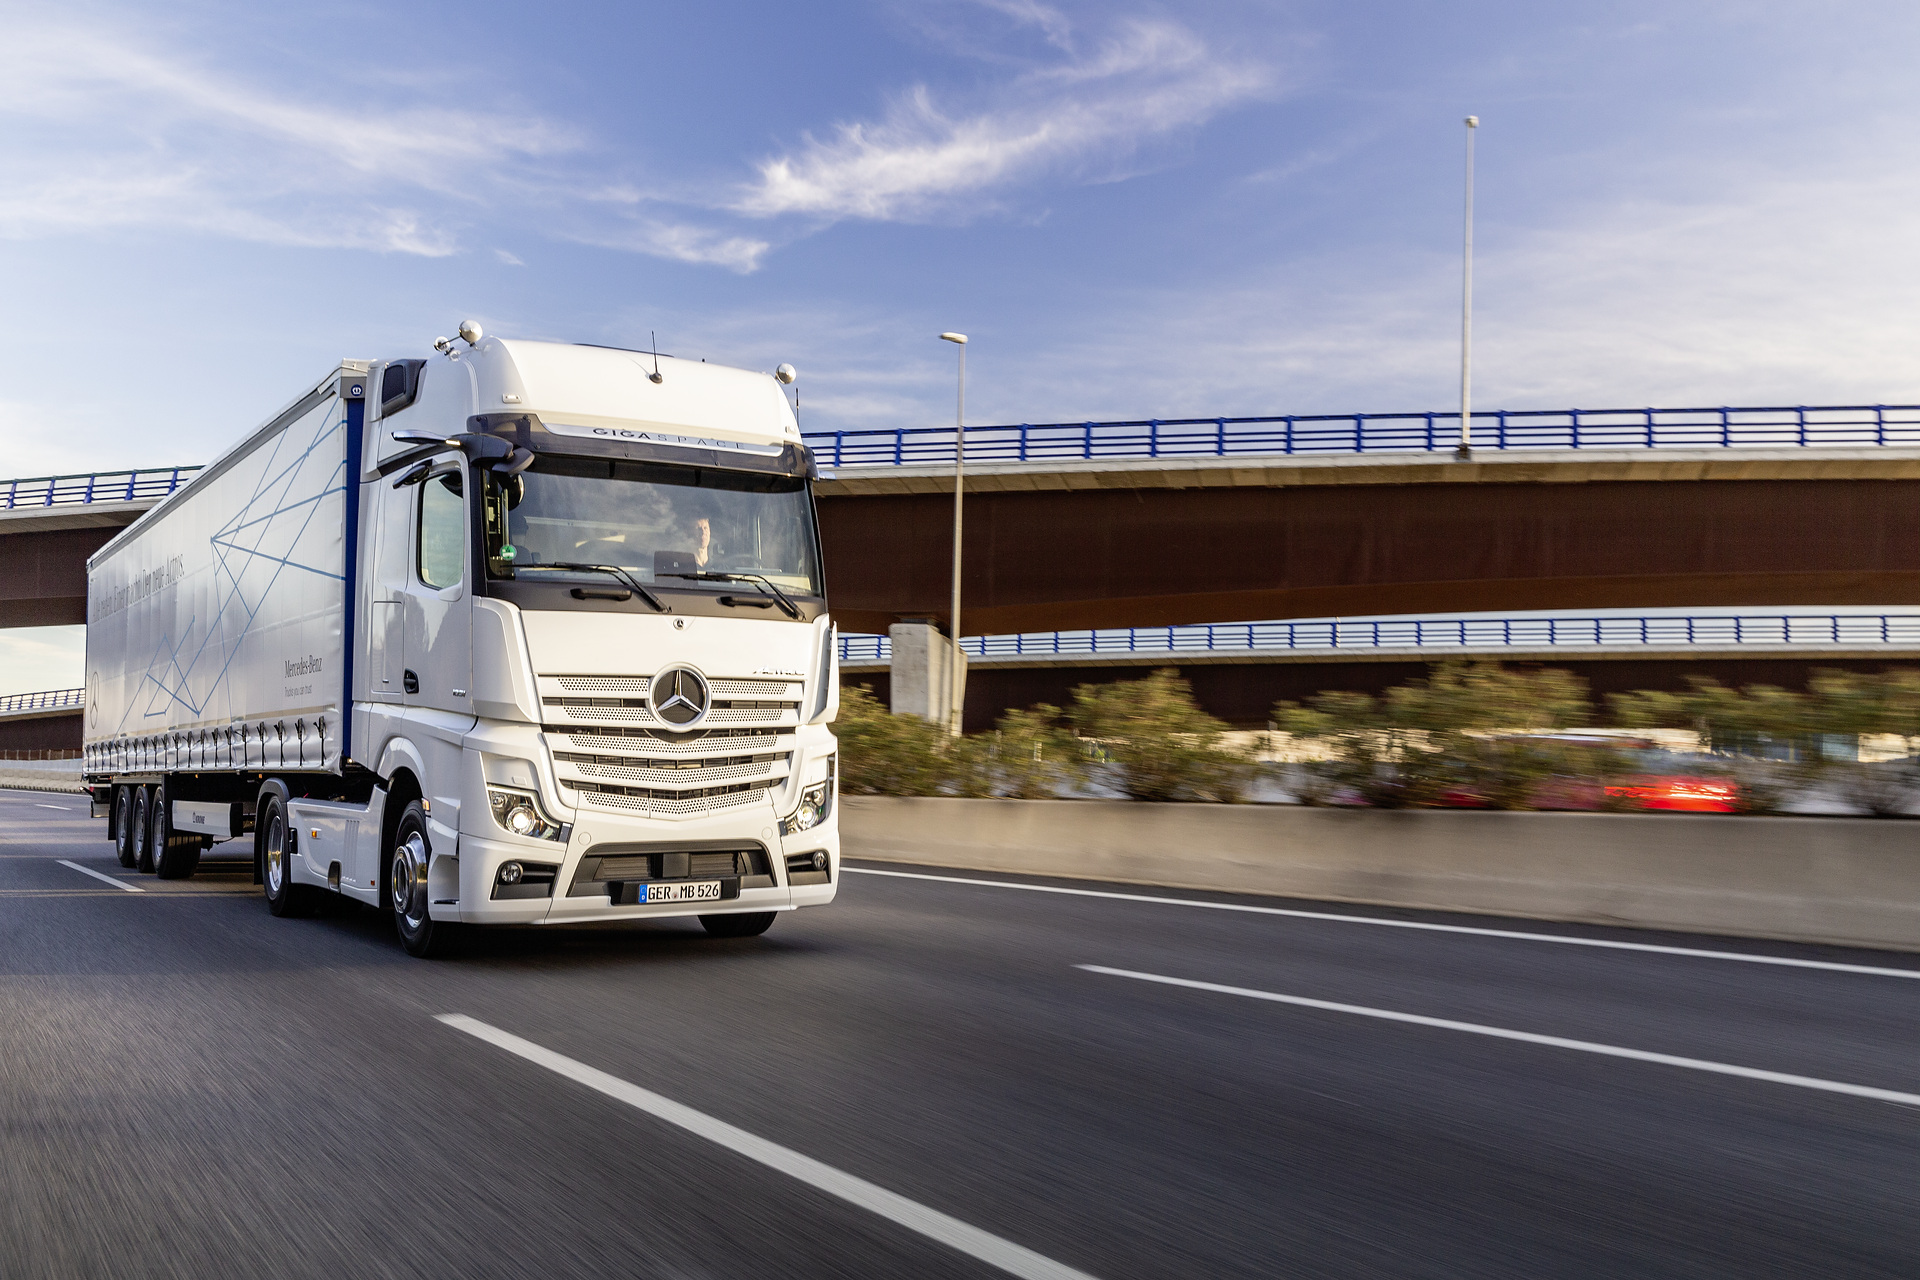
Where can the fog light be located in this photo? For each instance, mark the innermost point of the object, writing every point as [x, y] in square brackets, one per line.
[510, 872]
[820, 860]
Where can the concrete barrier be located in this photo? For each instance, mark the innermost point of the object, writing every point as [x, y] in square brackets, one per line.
[1848, 881]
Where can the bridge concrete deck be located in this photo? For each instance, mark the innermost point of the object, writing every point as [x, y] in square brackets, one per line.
[1116, 543]
[1063, 544]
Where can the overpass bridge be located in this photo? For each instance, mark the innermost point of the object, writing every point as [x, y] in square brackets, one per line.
[1165, 522]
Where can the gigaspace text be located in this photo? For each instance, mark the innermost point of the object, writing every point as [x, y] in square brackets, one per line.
[661, 437]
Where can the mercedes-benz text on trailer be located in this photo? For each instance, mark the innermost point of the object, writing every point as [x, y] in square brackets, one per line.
[525, 634]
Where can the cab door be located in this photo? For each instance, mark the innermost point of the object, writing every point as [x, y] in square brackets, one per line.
[437, 638]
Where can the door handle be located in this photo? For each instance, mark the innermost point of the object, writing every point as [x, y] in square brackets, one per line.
[410, 682]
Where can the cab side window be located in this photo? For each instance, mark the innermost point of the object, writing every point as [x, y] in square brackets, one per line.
[443, 531]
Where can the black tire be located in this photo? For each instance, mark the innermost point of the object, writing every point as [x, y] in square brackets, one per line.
[141, 835]
[123, 825]
[408, 892]
[284, 897]
[175, 856]
[738, 924]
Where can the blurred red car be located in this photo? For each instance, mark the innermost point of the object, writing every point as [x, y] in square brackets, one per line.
[1686, 794]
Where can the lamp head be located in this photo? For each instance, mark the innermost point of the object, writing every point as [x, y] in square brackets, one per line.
[785, 375]
[960, 338]
[471, 332]
[1473, 122]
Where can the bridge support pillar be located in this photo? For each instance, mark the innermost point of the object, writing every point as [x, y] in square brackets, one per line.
[922, 670]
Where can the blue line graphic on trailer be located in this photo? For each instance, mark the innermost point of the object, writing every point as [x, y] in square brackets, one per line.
[263, 540]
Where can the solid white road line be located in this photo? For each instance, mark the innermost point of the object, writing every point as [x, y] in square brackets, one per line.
[1606, 943]
[991, 1249]
[1525, 1037]
[88, 871]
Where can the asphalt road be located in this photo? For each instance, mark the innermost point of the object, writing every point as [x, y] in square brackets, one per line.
[190, 1087]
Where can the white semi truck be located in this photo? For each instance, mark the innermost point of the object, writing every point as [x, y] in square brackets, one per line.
[528, 633]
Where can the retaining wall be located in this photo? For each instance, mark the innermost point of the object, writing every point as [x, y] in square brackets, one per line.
[1849, 881]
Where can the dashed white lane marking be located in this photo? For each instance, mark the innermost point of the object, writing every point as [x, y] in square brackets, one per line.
[1525, 1037]
[1606, 943]
[64, 808]
[88, 871]
[988, 1248]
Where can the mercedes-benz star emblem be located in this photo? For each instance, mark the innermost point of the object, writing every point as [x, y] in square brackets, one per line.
[679, 696]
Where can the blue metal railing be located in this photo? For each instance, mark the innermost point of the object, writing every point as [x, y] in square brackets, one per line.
[1797, 427]
[1826, 426]
[45, 700]
[1440, 635]
[99, 486]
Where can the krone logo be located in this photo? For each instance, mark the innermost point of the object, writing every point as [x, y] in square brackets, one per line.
[679, 696]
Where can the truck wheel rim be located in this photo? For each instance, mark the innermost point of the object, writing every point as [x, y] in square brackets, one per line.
[409, 881]
[276, 855]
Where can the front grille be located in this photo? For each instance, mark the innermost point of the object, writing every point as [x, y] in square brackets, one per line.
[673, 773]
[663, 741]
[649, 793]
[678, 803]
[611, 752]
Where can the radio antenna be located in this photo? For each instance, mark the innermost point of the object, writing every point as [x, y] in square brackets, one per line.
[656, 376]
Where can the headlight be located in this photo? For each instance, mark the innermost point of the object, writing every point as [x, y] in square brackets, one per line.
[814, 802]
[520, 813]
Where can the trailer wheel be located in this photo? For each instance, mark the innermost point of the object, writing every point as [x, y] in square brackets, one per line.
[175, 855]
[123, 825]
[284, 897]
[141, 834]
[407, 863]
[738, 924]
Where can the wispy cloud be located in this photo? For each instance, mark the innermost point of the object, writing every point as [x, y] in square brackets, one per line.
[1076, 117]
[105, 131]
[681, 241]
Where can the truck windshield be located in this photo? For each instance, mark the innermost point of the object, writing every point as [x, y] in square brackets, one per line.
[652, 520]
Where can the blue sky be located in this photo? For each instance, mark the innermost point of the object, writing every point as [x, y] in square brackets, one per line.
[1135, 209]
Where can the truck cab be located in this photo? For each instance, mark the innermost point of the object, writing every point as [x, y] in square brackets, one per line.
[598, 640]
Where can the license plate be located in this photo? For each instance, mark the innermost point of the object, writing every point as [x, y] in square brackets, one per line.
[694, 891]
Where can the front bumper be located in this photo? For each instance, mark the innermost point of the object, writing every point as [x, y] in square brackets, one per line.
[482, 856]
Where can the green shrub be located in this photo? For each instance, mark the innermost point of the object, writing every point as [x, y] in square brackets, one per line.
[1031, 756]
[1438, 739]
[1161, 745]
[882, 754]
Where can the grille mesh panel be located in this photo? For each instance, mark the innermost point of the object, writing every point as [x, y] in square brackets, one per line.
[605, 684]
[750, 688]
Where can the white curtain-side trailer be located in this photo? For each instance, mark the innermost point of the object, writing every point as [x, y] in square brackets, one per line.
[530, 633]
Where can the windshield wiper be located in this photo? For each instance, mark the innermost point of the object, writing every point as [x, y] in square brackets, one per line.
[612, 569]
[760, 580]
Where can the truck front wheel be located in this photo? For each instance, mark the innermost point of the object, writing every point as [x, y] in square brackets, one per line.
[738, 924]
[284, 897]
[407, 888]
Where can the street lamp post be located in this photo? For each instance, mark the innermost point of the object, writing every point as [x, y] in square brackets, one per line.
[1466, 311]
[959, 490]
